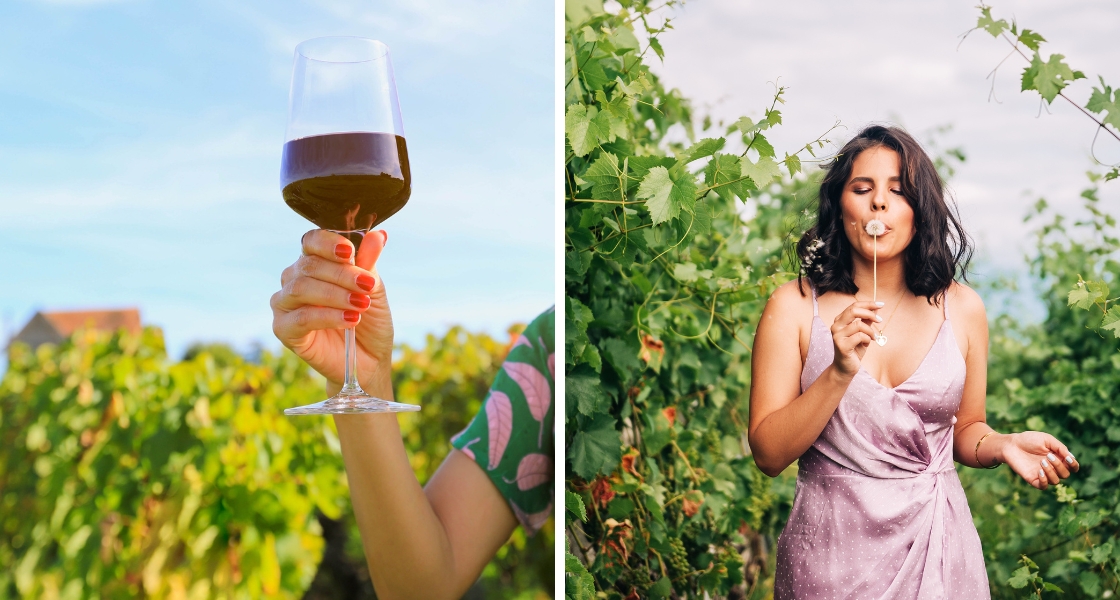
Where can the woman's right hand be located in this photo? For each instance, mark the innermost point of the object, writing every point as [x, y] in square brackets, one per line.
[322, 294]
[852, 334]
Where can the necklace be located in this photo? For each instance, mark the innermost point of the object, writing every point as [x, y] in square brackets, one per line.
[880, 337]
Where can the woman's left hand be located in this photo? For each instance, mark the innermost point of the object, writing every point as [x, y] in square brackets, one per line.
[1039, 458]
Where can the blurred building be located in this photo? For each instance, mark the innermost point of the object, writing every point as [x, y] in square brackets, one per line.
[54, 327]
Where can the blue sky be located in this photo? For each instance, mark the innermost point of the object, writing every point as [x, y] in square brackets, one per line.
[140, 147]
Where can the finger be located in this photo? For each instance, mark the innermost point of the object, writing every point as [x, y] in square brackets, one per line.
[866, 315]
[302, 321]
[1064, 455]
[370, 250]
[1059, 467]
[1042, 482]
[308, 291]
[340, 274]
[328, 245]
[1051, 474]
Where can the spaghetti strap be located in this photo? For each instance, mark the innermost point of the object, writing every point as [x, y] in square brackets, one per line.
[814, 290]
[945, 302]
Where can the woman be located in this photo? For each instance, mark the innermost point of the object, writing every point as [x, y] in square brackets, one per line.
[431, 542]
[879, 511]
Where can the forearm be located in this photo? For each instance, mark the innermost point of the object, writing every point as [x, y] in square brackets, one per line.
[406, 546]
[788, 432]
[990, 451]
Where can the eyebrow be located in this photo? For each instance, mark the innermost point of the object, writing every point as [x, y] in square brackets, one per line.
[869, 180]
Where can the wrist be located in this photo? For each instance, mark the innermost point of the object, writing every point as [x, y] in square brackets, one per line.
[839, 377]
[989, 452]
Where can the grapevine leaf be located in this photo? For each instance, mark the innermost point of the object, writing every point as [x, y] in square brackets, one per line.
[1051, 587]
[621, 356]
[615, 113]
[661, 589]
[596, 448]
[685, 272]
[579, 584]
[584, 391]
[747, 126]
[1049, 78]
[574, 504]
[623, 39]
[578, 11]
[664, 196]
[1030, 39]
[606, 177]
[793, 164]
[992, 26]
[762, 172]
[774, 117]
[626, 247]
[1090, 583]
[722, 174]
[1019, 578]
[762, 145]
[705, 147]
[1104, 100]
[656, 45]
[584, 131]
[1112, 321]
[1080, 298]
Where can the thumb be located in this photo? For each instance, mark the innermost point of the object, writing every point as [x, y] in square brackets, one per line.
[370, 249]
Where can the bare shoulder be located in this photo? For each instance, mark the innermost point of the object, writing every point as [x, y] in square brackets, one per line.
[789, 302]
[966, 305]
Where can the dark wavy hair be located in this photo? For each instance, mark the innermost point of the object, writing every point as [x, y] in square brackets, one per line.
[940, 250]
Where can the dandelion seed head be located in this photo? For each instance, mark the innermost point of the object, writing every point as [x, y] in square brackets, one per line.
[875, 227]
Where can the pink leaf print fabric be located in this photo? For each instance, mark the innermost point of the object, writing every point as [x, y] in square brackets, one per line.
[466, 449]
[532, 471]
[532, 522]
[511, 437]
[535, 388]
[499, 416]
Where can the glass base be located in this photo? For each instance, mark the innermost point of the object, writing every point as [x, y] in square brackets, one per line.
[345, 404]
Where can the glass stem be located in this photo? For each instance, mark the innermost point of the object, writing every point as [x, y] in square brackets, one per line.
[350, 382]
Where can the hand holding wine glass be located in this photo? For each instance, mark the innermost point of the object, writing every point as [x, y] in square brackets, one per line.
[322, 294]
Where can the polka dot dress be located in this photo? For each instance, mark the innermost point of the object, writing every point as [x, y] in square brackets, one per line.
[879, 511]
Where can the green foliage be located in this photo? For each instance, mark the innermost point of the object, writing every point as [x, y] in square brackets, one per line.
[665, 280]
[1051, 76]
[123, 475]
[1061, 376]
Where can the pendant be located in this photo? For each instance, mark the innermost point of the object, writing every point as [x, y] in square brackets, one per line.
[881, 339]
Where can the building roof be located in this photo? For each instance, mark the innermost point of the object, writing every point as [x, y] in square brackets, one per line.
[55, 326]
[67, 322]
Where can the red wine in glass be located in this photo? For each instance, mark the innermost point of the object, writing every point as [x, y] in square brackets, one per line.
[346, 182]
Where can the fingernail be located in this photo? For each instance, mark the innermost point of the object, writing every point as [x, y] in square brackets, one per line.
[366, 282]
[1050, 457]
[359, 300]
[1041, 475]
[1069, 459]
[878, 318]
[351, 316]
[1045, 464]
[343, 251]
[880, 304]
[385, 236]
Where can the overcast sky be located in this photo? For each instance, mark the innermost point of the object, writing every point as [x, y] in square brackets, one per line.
[140, 150]
[888, 60]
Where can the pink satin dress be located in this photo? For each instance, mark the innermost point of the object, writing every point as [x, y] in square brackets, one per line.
[879, 511]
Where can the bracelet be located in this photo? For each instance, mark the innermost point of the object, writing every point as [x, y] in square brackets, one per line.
[976, 451]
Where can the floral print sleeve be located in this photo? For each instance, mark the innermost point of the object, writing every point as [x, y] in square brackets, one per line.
[511, 436]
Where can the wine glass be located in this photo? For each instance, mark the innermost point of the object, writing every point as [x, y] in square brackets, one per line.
[345, 165]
